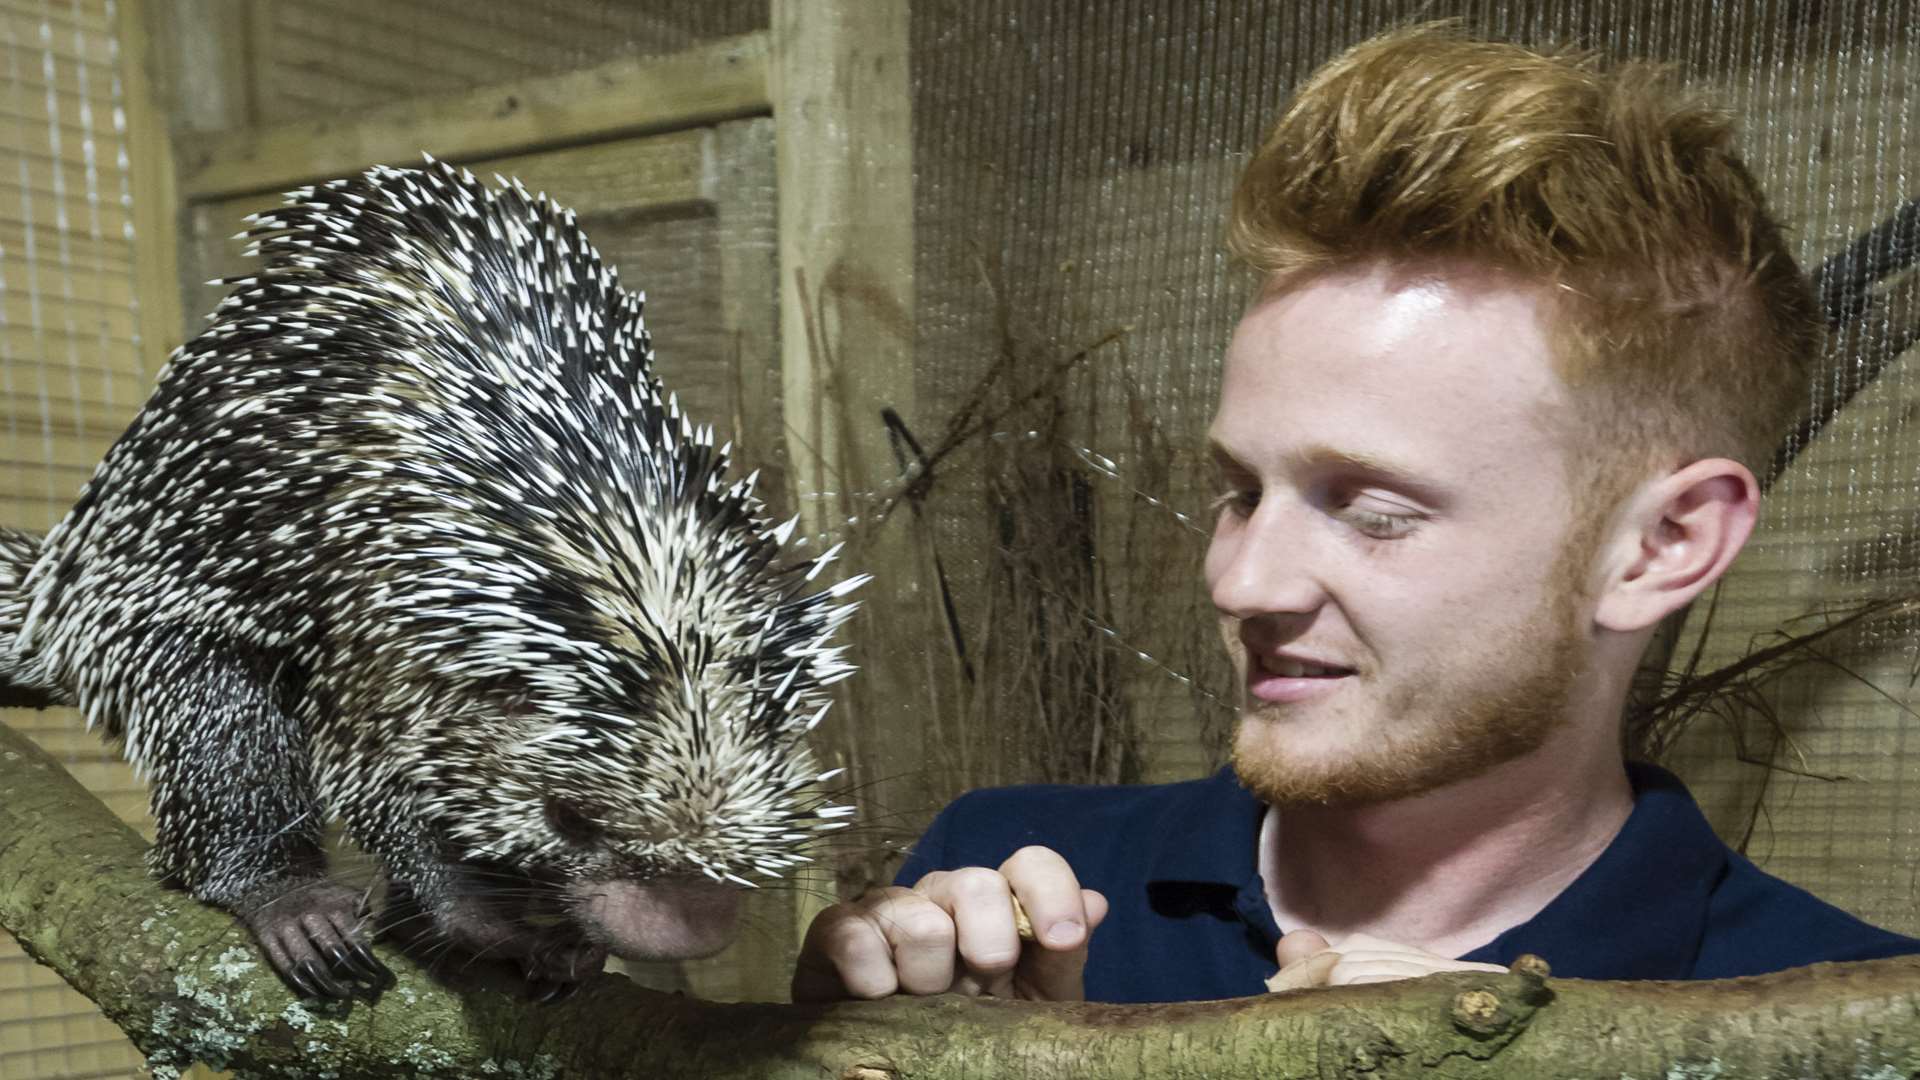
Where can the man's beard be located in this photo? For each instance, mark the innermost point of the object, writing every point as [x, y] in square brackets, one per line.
[1439, 727]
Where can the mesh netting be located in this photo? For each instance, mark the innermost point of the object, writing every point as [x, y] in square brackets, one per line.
[1072, 167]
[1072, 163]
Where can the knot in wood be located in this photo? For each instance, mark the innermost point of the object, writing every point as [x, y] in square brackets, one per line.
[1530, 965]
[1478, 1012]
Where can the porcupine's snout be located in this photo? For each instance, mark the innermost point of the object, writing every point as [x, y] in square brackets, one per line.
[674, 918]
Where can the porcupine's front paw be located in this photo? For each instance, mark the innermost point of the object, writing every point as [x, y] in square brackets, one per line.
[311, 933]
[546, 948]
[506, 944]
[558, 966]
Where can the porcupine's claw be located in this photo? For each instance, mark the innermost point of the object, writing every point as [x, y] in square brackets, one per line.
[312, 937]
[548, 992]
[234, 813]
[554, 973]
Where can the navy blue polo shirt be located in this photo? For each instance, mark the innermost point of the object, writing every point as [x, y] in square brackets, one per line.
[1189, 919]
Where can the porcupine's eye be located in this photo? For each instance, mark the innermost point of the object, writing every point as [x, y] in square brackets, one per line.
[572, 823]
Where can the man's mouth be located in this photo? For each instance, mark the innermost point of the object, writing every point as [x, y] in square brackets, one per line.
[1280, 680]
[1289, 668]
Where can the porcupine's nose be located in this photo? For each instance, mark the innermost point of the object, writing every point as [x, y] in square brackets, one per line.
[663, 919]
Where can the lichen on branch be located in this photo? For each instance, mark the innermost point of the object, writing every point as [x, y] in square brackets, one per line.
[185, 983]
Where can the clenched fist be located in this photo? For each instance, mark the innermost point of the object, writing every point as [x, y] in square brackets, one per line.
[955, 931]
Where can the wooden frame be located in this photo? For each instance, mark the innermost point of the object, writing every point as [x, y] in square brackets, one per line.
[844, 150]
[720, 81]
[156, 225]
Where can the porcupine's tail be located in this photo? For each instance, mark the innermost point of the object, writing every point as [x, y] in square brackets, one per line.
[22, 683]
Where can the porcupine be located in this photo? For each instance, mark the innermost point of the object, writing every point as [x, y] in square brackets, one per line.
[409, 535]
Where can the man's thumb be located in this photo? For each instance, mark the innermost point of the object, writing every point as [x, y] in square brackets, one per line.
[1057, 974]
[1297, 946]
[1305, 962]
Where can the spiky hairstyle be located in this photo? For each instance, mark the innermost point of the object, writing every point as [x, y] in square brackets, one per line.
[1680, 318]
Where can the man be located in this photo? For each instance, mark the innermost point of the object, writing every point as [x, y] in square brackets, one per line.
[1526, 334]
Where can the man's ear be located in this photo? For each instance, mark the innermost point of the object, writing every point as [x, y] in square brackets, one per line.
[1680, 533]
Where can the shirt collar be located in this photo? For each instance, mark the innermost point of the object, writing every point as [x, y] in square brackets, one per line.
[1640, 910]
[1205, 858]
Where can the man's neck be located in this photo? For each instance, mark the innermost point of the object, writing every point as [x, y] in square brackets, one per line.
[1449, 870]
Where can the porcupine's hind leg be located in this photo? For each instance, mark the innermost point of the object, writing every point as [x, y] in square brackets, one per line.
[22, 681]
[233, 799]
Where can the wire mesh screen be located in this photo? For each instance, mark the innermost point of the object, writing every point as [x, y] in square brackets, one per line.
[1072, 162]
[1072, 166]
[70, 375]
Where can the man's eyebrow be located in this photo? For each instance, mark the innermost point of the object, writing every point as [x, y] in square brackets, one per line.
[1394, 474]
[1358, 461]
[1320, 455]
[1222, 457]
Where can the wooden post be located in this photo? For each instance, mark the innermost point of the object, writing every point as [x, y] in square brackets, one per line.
[739, 182]
[156, 221]
[844, 158]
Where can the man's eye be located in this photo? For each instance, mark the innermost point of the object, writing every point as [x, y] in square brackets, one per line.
[1378, 525]
[1242, 503]
[1381, 526]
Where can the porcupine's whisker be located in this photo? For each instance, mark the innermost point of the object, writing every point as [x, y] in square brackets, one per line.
[389, 924]
[304, 885]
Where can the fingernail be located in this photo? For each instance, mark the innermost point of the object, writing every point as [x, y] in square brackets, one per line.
[1064, 932]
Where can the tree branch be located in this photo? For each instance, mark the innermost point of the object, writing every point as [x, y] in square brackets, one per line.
[184, 982]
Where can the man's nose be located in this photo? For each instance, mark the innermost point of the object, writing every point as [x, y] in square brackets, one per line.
[1263, 566]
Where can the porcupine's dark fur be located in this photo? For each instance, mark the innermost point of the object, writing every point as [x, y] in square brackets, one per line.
[408, 535]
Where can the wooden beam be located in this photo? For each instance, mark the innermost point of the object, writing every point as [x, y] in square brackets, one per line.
[156, 223]
[621, 176]
[740, 185]
[203, 62]
[844, 161]
[722, 80]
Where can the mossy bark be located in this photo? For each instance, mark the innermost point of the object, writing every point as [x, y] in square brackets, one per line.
[185, 983]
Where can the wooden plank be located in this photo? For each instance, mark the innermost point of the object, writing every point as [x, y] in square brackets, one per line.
[416, 56]
[200, 62]
[719, 81]
[742, 189]
[107, 393]
[64, 306]
[56, 346]
[23, 32]
[106, 254]
[87, 421]
[57, 448]
[27, 108]
[151, 181]
[37, 512]
[91, 17]
[77, 294]
[32, 169]
[622, 176]
[77, 80]
[845, 176]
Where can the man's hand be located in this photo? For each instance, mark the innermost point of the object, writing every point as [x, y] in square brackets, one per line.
[954, 930]
[1306, 961]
